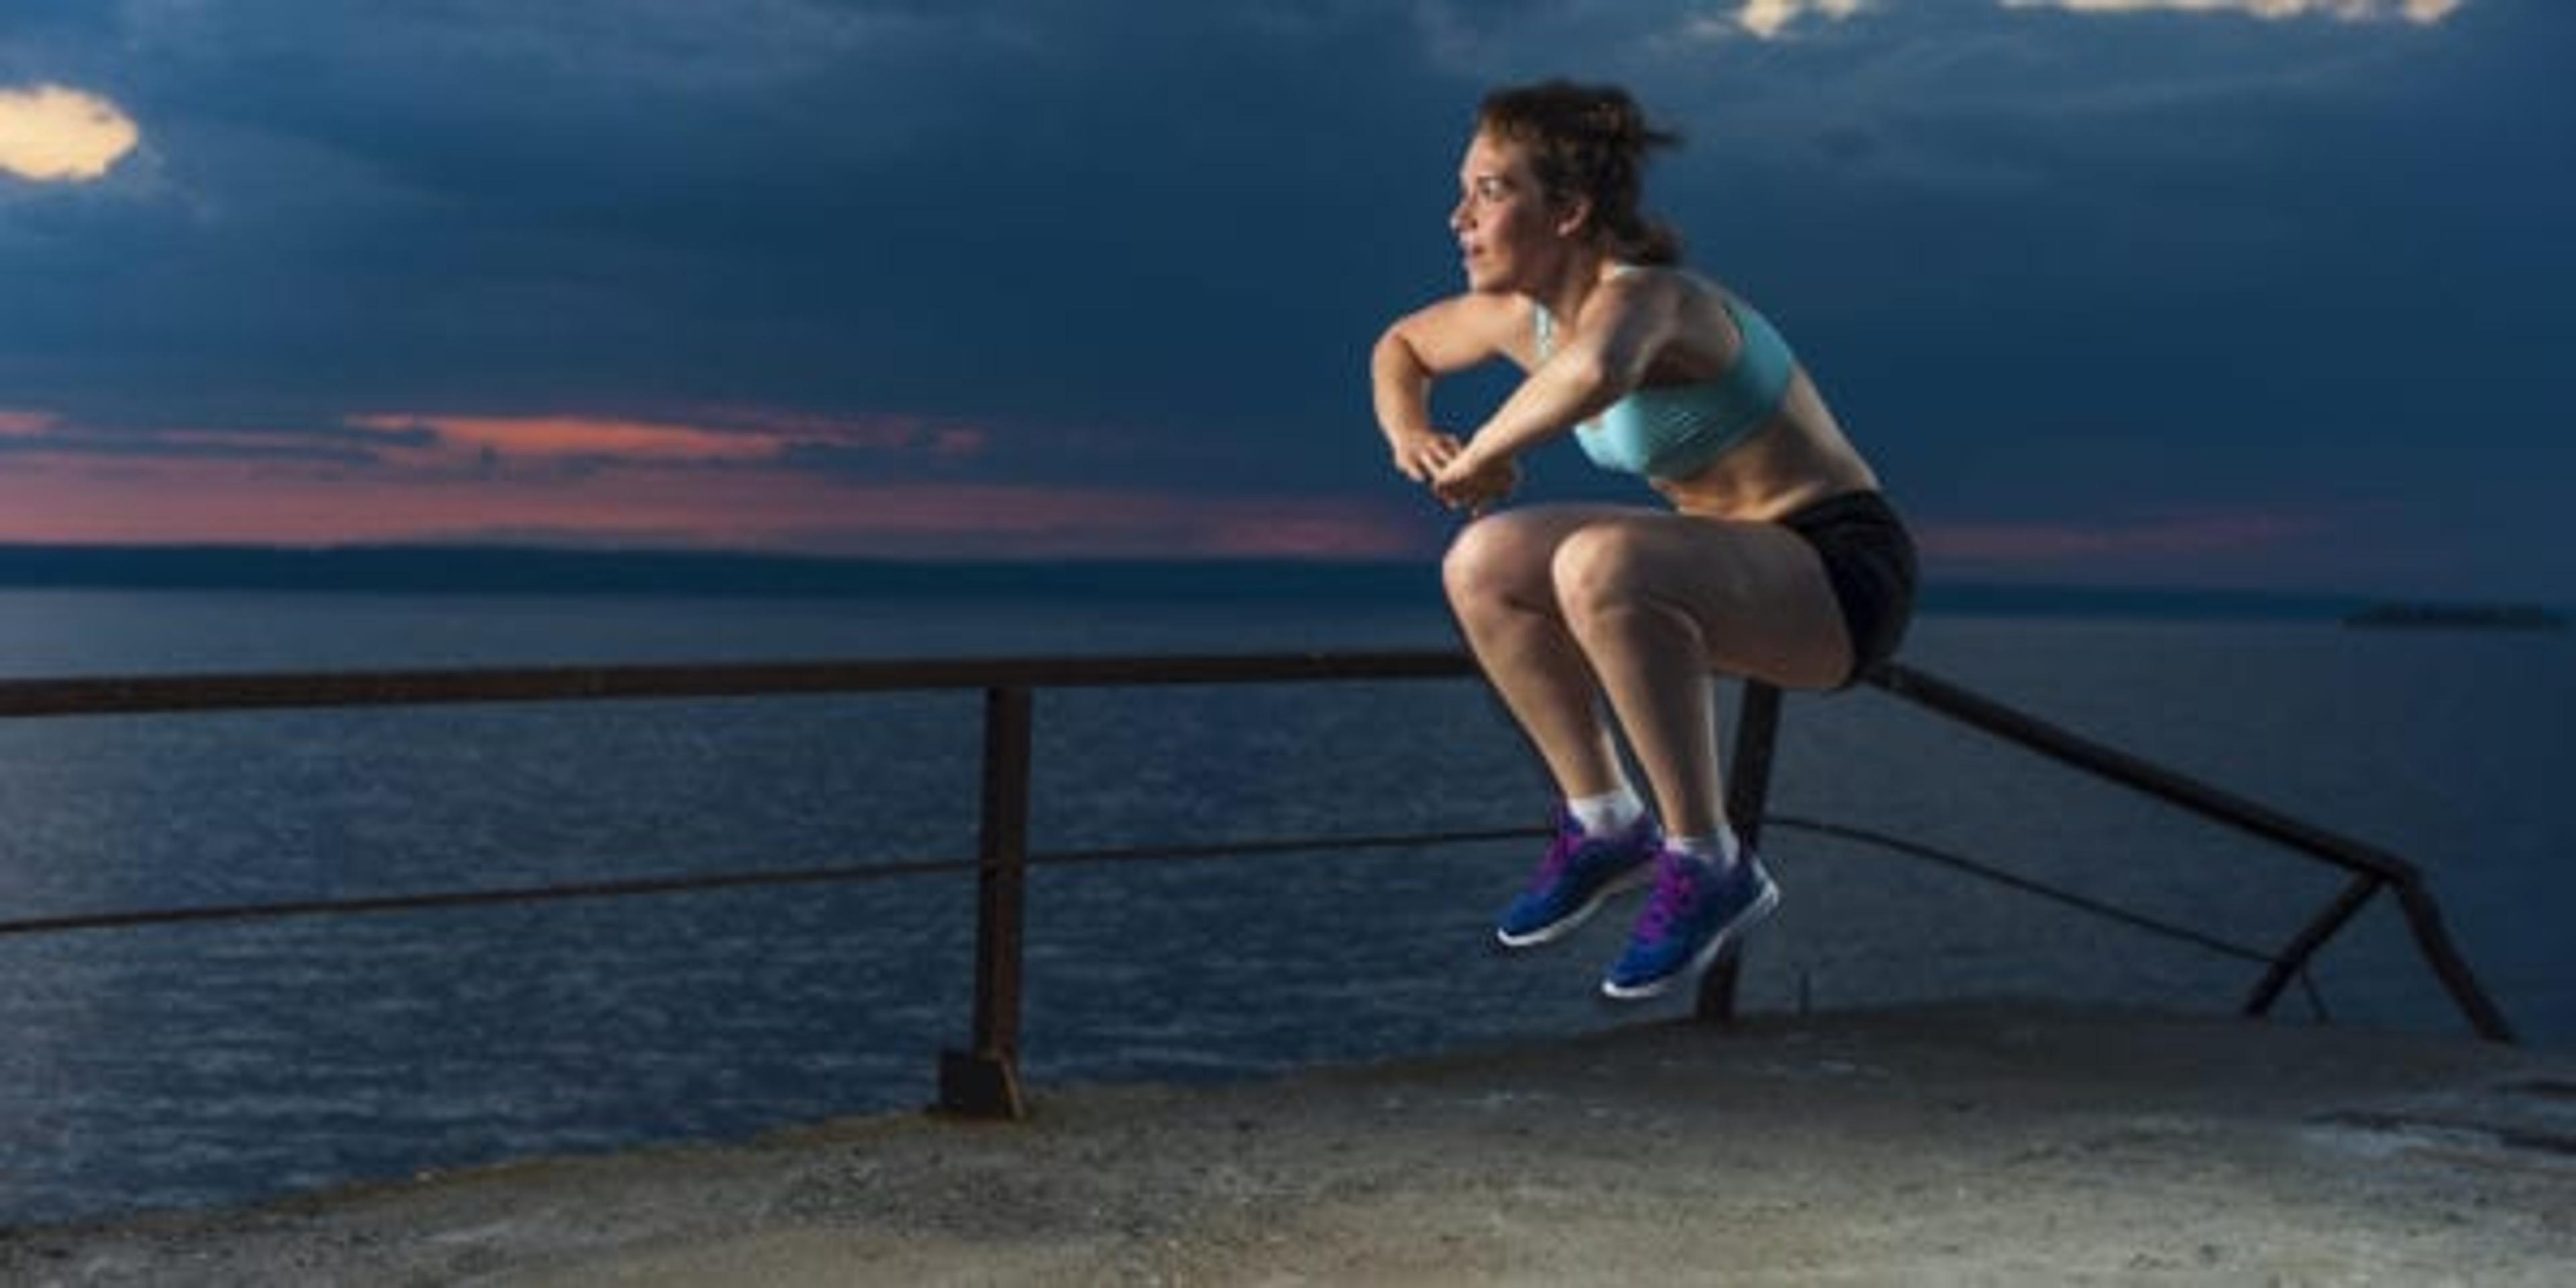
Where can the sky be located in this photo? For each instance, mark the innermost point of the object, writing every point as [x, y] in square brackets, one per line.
[2248, 294]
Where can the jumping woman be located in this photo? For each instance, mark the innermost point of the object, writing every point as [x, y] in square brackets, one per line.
[1778, 559]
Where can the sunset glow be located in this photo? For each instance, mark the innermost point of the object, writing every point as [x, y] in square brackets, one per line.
[609, 439]
[73, 501]
[2099, 288]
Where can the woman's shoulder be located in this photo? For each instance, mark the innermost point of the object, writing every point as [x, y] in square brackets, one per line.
[1677, 276]
[1685, 287]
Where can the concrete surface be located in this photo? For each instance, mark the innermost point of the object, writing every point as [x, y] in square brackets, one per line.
[1987, 1144]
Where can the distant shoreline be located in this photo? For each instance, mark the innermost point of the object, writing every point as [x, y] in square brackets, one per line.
[534, 570]
[2485, 617]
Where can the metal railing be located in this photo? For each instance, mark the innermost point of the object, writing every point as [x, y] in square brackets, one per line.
[983, 1078]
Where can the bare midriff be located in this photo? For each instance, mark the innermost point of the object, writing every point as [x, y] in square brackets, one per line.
[1799, 458]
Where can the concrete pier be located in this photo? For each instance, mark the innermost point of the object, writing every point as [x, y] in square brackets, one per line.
[1969, 1144]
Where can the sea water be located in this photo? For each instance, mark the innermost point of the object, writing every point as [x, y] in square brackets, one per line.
[198, 1064]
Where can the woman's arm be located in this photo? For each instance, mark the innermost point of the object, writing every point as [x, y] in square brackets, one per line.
[1446, 337]
[1597, 361]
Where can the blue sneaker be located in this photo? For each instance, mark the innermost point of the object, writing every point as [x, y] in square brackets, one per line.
[1579, 874]
[1688, 921]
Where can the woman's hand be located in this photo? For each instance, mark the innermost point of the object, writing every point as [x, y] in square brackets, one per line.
[1472, 481]
[1419, 456]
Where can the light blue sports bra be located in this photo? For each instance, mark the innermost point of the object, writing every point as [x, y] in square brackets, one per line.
[1674, 431]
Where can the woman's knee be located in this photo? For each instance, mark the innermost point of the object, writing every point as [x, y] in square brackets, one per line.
[1595, 571]
[1494, 558]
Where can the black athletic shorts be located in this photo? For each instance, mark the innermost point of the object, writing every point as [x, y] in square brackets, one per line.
[1869, 557]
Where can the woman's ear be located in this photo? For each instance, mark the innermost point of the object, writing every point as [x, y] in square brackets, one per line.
[1575, 215]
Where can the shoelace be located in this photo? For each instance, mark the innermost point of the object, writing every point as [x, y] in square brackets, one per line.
[1560, 852]
[1676, 889]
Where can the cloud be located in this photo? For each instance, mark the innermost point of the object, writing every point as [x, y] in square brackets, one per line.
[426, 445]
[556, 437]
[2197, 535]
[551, 247]
[52, 134]
[1774, 19]
[39, 436]
[735, 438]
[241, 501]
[1767, 19]
[2417, 11]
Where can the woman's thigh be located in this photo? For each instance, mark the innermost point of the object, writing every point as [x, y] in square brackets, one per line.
[1757, 592]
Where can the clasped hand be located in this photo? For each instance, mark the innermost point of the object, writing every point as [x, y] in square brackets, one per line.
[1459, 477]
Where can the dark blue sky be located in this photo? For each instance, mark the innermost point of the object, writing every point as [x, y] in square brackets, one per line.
[2251, 293]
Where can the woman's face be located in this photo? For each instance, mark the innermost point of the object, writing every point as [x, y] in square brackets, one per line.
[1508, 233]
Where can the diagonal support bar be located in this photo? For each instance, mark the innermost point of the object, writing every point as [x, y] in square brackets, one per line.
[2293, 957]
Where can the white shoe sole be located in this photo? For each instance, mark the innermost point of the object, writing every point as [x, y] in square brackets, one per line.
[1753, 913]
[1570, 922]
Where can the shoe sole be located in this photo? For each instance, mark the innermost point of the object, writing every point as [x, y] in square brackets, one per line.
[1753, 913]
[1567, 924]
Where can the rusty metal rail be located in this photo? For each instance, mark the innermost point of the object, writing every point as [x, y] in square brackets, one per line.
[983, 1079]
[142, 695]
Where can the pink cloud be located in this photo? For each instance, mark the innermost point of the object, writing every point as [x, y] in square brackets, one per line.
[882, 431]
[146, 500]
[962, 440]
[26, 424]
[555, 437]
[611, 480]
[2199, 534]
[724, 437]
[423, 479]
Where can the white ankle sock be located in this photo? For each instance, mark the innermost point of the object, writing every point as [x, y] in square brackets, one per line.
[1718, 851]
[1609, 812]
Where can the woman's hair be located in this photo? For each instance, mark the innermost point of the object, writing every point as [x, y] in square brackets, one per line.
[1589, 141]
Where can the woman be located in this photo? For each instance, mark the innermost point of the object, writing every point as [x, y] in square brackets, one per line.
[1779, 559]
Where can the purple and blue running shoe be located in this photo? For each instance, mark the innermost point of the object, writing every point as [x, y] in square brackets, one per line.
[1579, 874]
[1693, 914]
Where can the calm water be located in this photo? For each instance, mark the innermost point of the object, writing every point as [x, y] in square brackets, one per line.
[192, 1065]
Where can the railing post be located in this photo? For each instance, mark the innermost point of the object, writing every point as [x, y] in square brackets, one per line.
[1748, 793]
[984, 1081]
[2425, 918]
